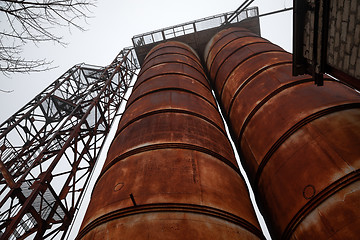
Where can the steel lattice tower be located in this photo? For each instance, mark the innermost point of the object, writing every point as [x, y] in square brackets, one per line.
[49, 148]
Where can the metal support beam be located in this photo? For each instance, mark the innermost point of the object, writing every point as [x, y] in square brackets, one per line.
[239, 10]
[49, 148]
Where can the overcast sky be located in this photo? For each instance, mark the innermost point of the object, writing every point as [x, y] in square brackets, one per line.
[113, 25]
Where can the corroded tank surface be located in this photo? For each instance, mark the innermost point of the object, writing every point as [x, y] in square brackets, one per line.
[170, 172]
[299, 143]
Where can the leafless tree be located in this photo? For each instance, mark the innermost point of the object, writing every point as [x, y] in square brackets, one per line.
[35, 21]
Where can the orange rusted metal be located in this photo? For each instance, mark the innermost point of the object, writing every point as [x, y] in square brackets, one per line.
[298, 142]
[170, 172]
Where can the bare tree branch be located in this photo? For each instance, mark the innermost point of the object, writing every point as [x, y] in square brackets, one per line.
[35, 21]
[5, 91]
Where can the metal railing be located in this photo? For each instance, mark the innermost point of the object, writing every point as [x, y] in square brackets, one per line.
[192, 27]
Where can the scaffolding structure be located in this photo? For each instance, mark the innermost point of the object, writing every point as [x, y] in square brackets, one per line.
[49, 148]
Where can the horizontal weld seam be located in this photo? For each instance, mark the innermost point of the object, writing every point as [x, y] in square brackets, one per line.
[174, 89]
[268, 97]
[222, 37]
[175, 74]
[170, 46]
[296, 127]
[172, 53]
[243, 60]
[233, 40]
[169, 111]
[168, 146]
[251, 77]
[318, 199]
[171, 207]
[198, 70]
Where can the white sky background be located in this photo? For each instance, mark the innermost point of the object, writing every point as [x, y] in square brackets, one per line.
[113, 25]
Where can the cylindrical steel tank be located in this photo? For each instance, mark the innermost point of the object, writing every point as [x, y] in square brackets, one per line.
[170, 172]
[299, 143]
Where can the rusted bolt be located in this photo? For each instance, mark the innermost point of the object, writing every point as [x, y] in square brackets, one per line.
[118, 187]
[309, 191]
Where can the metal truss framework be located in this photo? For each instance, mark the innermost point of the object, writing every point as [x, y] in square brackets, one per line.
[49, 147]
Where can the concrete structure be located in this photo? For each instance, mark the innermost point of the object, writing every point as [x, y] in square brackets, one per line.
[327, 39]
[344, 37]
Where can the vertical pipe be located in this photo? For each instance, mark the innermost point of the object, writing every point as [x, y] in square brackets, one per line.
[298, 142]
[170, 172]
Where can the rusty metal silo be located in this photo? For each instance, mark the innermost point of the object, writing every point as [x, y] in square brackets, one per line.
[170, 172]
[299, 143]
